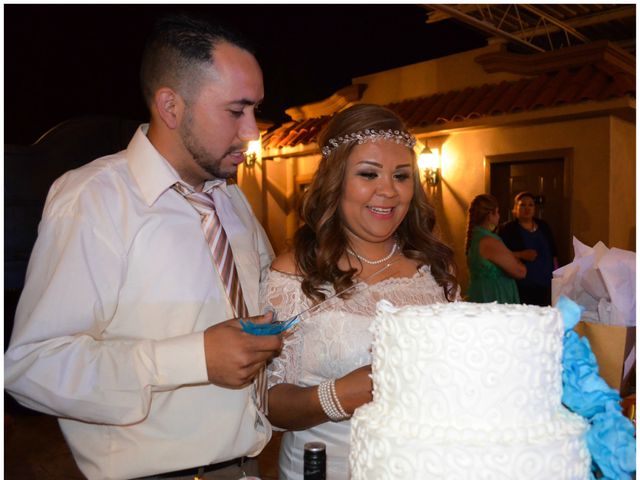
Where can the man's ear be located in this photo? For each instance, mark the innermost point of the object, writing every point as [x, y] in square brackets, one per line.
[169, 106]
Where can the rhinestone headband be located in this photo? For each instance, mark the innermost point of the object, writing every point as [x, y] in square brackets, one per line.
[368, 135]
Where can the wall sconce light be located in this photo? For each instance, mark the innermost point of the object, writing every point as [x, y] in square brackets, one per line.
[251, 155]
[429, 162]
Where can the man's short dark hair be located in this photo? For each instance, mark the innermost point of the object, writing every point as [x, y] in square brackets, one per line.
[177, 49]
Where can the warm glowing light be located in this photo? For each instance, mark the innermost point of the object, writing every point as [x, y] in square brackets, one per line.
[429, 164]
[253, 149]
[255, 146]
[429, 160]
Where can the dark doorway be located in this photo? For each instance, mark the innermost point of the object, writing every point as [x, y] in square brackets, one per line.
[545, 178]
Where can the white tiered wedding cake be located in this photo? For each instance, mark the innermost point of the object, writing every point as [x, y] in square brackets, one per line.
[467, 391]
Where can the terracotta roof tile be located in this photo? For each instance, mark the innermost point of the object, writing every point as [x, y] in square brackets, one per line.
[570, 90]
[471, 101]
[593, 89]
[510, 95]
[286, 140]
[621, 83]
[436, 111]
[549, 89]
[492, 96]
[422, 108]
[299, 136]
[529, 94]
[454, 105]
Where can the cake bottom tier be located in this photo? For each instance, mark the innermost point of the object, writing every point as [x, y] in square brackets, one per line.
[379, 453]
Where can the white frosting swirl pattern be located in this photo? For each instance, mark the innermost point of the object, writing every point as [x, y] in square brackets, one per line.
[468, 391]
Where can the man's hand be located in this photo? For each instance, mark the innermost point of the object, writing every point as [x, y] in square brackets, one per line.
[235, 357]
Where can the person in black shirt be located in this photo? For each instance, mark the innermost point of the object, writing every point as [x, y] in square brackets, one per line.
[531, 240]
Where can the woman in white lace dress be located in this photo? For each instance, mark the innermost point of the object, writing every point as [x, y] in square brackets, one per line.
[367, 222]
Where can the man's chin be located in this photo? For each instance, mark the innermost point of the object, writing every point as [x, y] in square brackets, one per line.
[230, 172]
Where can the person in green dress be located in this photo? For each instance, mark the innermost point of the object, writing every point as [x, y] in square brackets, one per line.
[493, 268]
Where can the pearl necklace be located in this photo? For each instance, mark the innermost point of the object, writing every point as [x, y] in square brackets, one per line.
[374, 262]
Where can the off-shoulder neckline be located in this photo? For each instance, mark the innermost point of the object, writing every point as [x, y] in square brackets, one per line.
[421, 271]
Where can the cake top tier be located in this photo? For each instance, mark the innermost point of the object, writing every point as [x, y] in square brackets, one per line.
[468, 365]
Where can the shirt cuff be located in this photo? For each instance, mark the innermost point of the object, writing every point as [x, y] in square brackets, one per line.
[181, 360]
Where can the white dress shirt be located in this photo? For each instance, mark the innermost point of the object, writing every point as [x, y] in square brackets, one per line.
[108, 332]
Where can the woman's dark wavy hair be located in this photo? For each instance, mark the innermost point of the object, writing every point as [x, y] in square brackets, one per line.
[321, 241]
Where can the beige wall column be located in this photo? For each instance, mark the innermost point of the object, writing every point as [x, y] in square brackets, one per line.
[622, 185]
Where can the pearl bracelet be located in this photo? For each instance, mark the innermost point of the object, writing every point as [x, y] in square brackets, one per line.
[336, 400]
[330, 403]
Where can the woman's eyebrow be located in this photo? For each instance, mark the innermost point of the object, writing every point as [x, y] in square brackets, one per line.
[373, 163]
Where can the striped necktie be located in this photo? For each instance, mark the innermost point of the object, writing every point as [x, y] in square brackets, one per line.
[222, 257]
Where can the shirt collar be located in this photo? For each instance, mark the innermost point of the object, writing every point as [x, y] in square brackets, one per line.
[209, 186]
[153, 173]
[220, 183]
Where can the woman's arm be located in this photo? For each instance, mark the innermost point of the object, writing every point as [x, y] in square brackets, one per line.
[296, 408]
[528, 255]
[495, 251]
[293, 407]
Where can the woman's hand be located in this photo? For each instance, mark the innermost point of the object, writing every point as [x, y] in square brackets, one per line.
[297, 408]
[528, 255]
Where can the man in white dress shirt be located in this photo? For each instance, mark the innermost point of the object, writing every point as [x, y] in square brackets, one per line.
[124, 330]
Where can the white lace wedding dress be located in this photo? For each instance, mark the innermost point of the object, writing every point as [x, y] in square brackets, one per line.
[329, 344]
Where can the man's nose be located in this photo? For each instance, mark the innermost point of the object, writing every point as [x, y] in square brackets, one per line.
[249, 129]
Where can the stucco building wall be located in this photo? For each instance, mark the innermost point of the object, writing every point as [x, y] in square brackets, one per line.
[598, 150]
[597, 186]
[622, 185]
[454, 72]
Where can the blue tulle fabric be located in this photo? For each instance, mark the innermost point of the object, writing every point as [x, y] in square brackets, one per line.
[611, 436]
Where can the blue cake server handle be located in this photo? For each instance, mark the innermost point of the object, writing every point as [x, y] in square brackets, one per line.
[273, 328]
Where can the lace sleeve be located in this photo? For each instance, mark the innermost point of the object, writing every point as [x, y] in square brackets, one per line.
[282, 293]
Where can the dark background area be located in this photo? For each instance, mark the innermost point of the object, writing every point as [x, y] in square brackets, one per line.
[63, 61]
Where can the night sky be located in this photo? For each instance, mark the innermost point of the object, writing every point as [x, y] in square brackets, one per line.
[62, 61]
